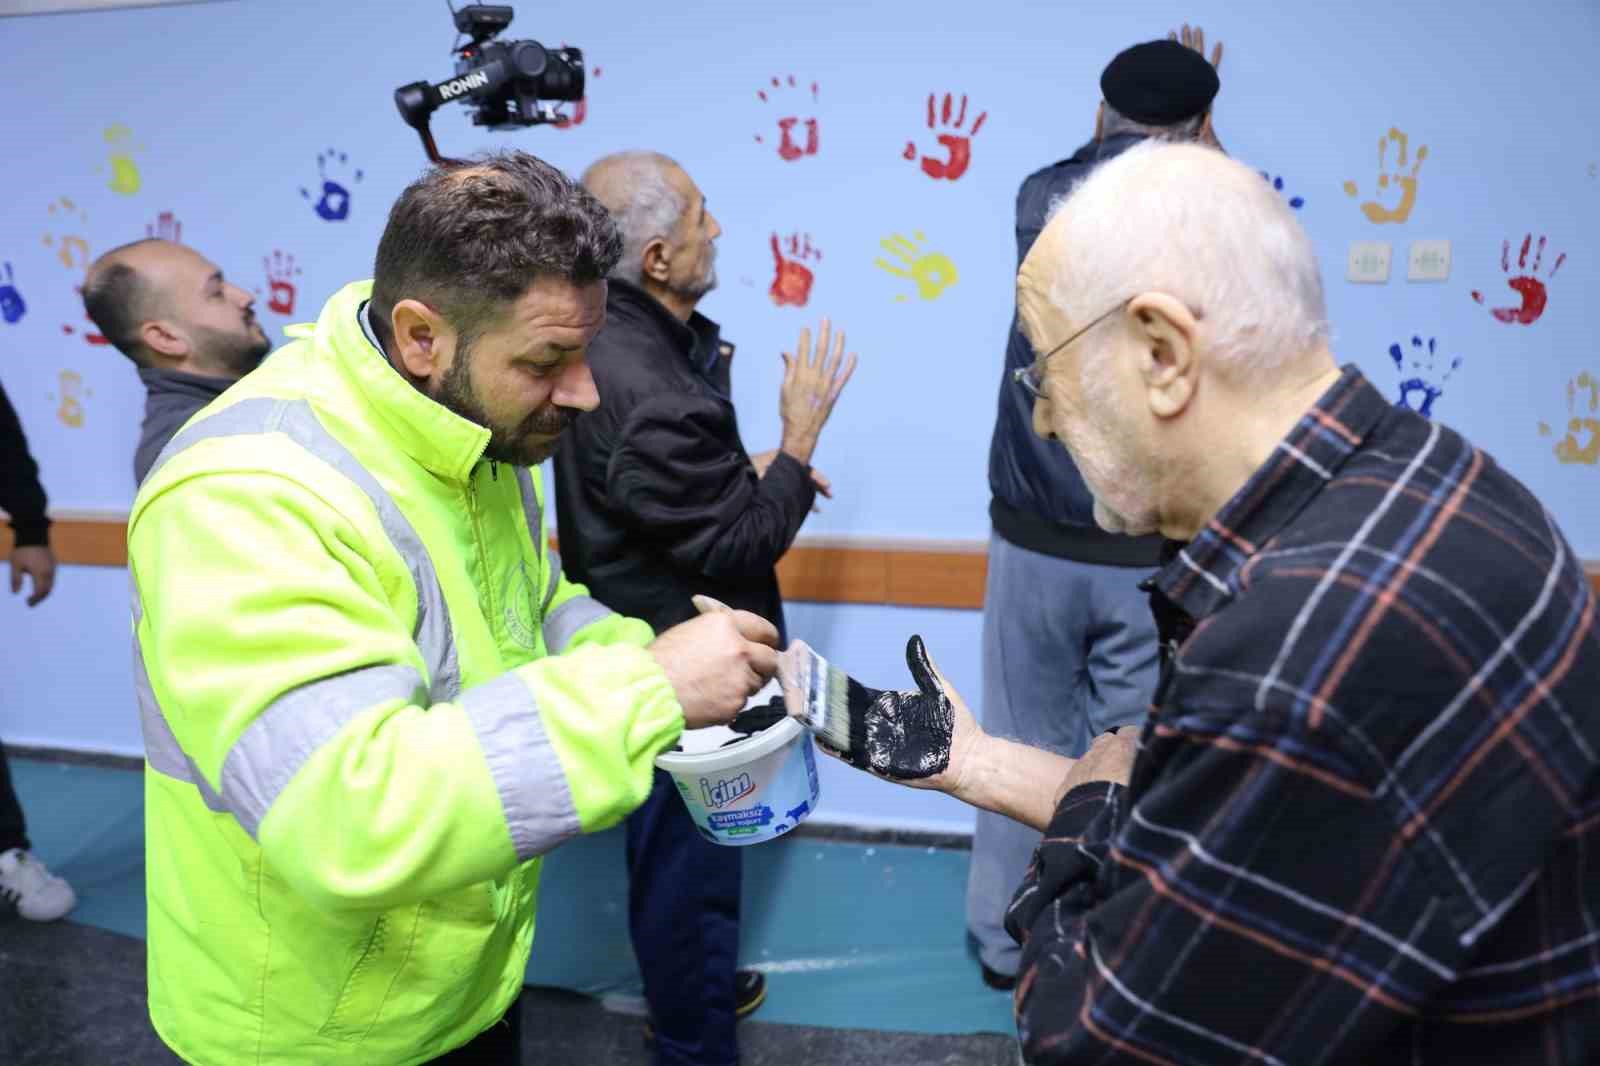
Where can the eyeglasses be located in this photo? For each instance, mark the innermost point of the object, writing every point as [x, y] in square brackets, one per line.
[1031, 377]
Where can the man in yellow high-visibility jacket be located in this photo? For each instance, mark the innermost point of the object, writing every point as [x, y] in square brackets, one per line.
[370, 701]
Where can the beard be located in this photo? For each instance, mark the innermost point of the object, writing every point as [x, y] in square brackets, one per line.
[695, 288]
[236, 351]
[518, 445]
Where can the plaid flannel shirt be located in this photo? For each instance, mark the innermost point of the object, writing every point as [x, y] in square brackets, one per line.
[1363, 825]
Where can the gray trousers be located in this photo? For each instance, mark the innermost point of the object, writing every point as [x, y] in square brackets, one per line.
[1069, 651]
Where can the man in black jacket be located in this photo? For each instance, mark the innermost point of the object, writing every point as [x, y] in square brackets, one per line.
[657, 500]
[190, 331]
[1069, 650]
[26, 886]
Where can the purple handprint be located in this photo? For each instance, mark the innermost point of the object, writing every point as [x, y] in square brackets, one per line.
[12, 307]
[334, 205]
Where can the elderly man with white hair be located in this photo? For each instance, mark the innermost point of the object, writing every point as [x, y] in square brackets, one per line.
[1361, 823]
[657, 500]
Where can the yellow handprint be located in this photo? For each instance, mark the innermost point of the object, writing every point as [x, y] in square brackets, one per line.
[1569, 450]
[1374, 210]
[125, 177]
[933, 272]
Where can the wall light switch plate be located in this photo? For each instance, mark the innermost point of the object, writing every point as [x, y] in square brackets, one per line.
[1369, 262]
[1429, 261]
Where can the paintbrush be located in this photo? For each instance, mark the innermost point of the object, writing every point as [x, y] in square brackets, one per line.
[898, 734]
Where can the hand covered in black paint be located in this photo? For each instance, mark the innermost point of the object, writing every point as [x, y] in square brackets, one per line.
[916, 738]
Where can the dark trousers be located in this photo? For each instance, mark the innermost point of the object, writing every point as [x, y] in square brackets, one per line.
[683, 912]
[498, 1045]
[13, 831]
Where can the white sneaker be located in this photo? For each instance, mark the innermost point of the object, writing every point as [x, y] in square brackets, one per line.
[28, 885]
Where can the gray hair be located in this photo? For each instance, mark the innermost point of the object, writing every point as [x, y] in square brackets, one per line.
[1207, 230]
[634, 187]
[1115, 122]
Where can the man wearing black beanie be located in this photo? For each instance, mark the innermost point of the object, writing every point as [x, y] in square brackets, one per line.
[1069, 647]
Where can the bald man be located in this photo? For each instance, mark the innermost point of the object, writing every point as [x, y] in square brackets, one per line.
[1359, 822]
[190, 332]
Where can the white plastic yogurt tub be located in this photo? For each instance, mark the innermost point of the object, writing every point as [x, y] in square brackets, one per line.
[748, 792]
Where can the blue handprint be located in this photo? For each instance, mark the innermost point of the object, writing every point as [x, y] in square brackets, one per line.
[1296, 202]
[12, 308]
[334, 206]
[1417, 385]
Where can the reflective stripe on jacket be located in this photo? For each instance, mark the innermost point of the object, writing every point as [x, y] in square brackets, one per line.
[370, 702]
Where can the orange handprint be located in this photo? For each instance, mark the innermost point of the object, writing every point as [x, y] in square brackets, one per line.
[72, 251]
[957, 145]
[1528, 286]
[791, 283]
[1568, 450]
[1407, 183]
[790, 149]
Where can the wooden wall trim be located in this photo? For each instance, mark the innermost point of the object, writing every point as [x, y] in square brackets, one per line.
[882, 571]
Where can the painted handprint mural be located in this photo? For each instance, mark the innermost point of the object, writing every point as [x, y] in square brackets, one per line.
[1526, 283]
[930, 272]
[792, 278]
[12, 306]
[333, 167]
[281, 272]
[1396, 193]
[1581, 443]
[1422, 374]
[950, 160]
[798, 135]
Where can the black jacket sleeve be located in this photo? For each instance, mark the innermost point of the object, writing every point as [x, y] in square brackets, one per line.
[21, 495]
[674, 477]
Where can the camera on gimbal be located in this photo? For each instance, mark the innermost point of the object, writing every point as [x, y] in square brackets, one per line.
[508, 84]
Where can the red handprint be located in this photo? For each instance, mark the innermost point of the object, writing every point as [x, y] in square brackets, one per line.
[788, 148]
[166, 227]
[791, 279]
[957, 145]
[280, 269]
[580, 110]
[1528, 286]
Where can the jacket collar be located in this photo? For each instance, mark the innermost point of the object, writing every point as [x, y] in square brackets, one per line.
[162, 382]
[1203, 575]
[699, 340]
[433, 436]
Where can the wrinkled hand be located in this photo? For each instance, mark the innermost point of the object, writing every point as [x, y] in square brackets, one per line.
[812, 382]
[716, 662]
[1196, 39]
[965, 734]
[1109, 758]
[39, 563]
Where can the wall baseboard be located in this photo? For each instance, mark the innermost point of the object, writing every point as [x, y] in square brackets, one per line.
[889, 572]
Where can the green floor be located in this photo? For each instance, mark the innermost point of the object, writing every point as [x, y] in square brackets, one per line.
[850, 935]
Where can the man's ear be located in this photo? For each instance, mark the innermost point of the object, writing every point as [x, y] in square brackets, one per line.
[423, 340]
[1167, 333]
[656, 264]
[163, 340]
[1100, 120]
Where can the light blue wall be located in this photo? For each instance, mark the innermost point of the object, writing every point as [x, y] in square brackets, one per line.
[230, 103]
